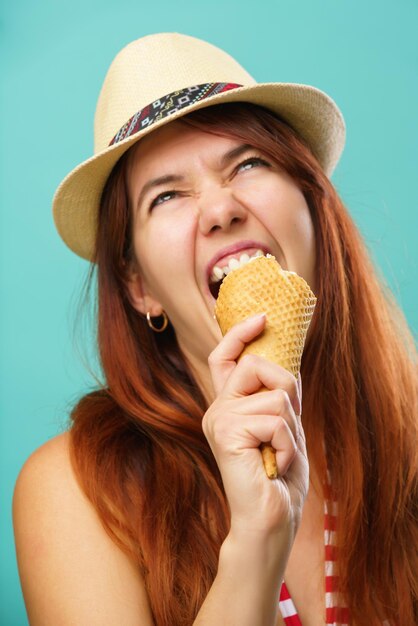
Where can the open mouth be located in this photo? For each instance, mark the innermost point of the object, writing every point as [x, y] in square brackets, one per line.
[220, 271]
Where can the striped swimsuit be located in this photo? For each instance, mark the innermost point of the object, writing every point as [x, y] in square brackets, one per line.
[334, 613]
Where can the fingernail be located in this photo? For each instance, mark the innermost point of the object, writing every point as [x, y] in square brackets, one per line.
[257, 316]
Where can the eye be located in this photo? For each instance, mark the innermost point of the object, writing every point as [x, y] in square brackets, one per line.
[252, 162]
[162, 197]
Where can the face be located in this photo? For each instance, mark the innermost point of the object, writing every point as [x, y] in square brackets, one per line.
[199, 201]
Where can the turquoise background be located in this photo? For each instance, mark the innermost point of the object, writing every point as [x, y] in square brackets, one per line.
[54, 57]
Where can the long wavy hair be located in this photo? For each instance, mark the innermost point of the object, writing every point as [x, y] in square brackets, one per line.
[137, 444]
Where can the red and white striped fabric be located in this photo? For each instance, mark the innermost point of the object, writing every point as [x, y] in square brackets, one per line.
[336, 612]
[287, 608]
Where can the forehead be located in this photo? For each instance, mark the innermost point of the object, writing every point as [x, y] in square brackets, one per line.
[176, 141]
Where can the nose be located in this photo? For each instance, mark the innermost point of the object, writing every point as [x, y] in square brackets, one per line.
[219, 210]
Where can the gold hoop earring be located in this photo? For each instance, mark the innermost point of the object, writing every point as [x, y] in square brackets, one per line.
[157, 329]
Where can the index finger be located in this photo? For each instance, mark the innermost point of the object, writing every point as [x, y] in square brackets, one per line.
[222, 360]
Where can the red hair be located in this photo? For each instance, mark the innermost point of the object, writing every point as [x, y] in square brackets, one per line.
[137, 443]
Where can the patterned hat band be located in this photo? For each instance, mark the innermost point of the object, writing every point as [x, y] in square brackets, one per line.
[169, 104]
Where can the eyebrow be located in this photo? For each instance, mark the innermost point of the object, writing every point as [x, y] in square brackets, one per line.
[176, 178]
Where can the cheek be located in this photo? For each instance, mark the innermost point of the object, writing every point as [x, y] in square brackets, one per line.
[164, 249]
[289, 221]
[284, 210]
[302, 245]
[295, 235]
[302, 228]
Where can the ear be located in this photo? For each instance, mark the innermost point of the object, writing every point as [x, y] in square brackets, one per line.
[139, 298]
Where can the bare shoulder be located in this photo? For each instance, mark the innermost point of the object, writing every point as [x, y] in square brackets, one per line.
[49, 465]
[46, 481]
[71, 571]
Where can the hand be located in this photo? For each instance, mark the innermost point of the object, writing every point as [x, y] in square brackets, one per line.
[242, 417]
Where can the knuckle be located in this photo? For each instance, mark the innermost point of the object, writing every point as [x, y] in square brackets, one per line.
[213, 357]
[282, 425]
[291, 449]
[214, 427]
[291, 390]
[286, 458]
[205, 424]
[281, 399]
[291, 385]
[219, 434]
[249, 360]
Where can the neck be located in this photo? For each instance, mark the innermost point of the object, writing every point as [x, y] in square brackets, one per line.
[197, 361]
[203, 378]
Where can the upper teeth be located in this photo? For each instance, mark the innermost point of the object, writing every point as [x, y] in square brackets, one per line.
[219, 272]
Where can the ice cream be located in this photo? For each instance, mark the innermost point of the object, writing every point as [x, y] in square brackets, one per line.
[262, 286]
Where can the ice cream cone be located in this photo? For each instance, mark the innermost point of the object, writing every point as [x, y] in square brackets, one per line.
[262, 286]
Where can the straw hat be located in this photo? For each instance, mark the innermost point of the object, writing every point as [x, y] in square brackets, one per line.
[160, 78]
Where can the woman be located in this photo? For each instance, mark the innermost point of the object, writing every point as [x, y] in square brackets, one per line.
[154, 508]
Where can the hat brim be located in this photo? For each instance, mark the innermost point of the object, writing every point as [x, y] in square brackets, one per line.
[310, 111]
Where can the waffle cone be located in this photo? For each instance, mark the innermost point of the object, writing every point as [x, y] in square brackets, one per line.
[262, 286]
